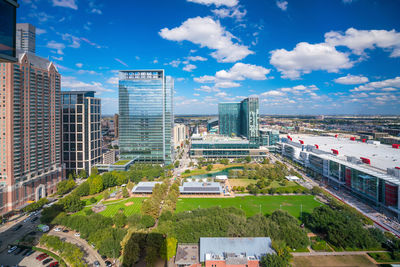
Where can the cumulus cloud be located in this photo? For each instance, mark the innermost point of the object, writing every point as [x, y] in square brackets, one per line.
[189, 67]
[241, 71]
[75, 41]
[208, 33]
[65, 3]
[40, 31]
[79, 65]
[113, 80]
[226, 84]
[207, 89]
[234, 13]
[388, 85]
[273, 93]
[351, 79]
[205, 79]
[196, 58]
[282, 5]
[360, 40]
[73, 84]
[306, 57]
[218, 3]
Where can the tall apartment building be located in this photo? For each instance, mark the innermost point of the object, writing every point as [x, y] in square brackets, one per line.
[240, 119]
[8, 15]
[81, 130]
[146, 115]
[26, 37]
[179, 134]
[30, 131]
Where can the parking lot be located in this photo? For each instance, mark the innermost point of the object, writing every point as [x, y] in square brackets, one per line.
[23, 260]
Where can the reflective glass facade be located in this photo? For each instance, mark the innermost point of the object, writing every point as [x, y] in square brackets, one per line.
[145, 115]
[240, 119]
[7, 30]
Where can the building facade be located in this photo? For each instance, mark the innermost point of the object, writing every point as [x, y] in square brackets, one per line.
[146, 115]
[26, 37]
[109, 157]
[30, 131]
[8, 15]
[356, 175]
[240, 119]
[81, 131]
[179, 134]
[116, 125]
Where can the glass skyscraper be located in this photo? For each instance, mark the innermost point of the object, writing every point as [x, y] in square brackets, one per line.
[146, 115]
[240, 119]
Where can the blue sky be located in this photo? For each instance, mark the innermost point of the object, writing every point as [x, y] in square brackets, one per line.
[298, 57]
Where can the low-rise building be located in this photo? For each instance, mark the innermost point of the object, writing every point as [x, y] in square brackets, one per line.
[144, 187]
[207, 188]
[109, 157]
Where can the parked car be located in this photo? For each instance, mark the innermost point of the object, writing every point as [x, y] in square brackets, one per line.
[34, 219]
[58, 229]
[12, 249]
[77, 234]
[108, 263]
[26, 252]
[47, 261]
[30, 252]
[40, 255]
[96, 264]
[18, 251]
[53, 264]
[65, 231]
[16, 228]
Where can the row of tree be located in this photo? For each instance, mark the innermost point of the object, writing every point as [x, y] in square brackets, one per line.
[152, 205]
[65, 186]
[36, 205]
[172, 197]
[71, 253]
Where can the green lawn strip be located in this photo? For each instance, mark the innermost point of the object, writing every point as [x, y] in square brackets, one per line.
[252, 204]
[121, 162]
[113, 208]
[340, 249]
[299, 250]
[51, 254]
[321, 246]
[383, 257]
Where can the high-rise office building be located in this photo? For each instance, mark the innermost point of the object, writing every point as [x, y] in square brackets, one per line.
[81, 131]
[146, 115]
[26, 37]
[179, 134]
[240, 119]
[8, 15]
[30, 131]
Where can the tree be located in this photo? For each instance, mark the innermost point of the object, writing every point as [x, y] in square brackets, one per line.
[94, 171]
[106, 195]
[65, 186]
[92, 200]
[96, 184]
[72, 203]
[82, 174]
[176, 164]
[209, 167]
[125, 192]
[168, 248]
[119, 219]
[247, 159]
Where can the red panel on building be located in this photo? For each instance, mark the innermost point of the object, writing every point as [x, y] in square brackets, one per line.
[317, 146]
[364, 140]
[391, 194]
[301, 142]
[396, 146]
[348, 177]
[336, 135]
[352, 138]
[365, 160]
[335, 151]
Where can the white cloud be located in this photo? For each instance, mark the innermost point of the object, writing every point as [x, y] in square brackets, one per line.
[218, 3]
[207, 89]
[196, 58]
[221, 94]
[234, 13]
[57, 58]
[282, 5]
[73, 84]
[96, 11]
[227, 84]
[120, 61]
[360, 40]
[75, 41]
[205, 79]
[208, 33]
[241, 71]
[351, 79]
[273, 93]
[180, 79]
[57, 46]
[385, 84]
[113, 80]
[40, 31]
[306, 57]
[189, 67]
[79, 65]
[196, 94]
[155, 61]
[65, 3]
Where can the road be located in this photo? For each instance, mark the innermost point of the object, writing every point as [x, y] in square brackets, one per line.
[90, 253]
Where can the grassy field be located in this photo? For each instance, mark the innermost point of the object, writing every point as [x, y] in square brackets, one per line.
[343, 261]
[246, 182]
[252, 204]
[112, 207]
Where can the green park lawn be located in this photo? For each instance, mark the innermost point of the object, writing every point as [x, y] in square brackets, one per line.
[252, 204]
[112, 207]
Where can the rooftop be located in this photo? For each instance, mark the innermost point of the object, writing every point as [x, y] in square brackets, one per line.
[187, 254]
[145, 187]
[220, 139]
[382, 156]
[200, 188]
[234, 248]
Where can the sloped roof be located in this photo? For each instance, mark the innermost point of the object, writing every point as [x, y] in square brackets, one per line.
[35, 60]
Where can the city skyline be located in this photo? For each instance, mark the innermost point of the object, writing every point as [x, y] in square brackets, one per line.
[335, 57]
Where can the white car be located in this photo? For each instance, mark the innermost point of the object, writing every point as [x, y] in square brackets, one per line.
[58, 229]
[11, 250]
[77, 234]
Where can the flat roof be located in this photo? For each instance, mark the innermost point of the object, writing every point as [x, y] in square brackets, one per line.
[382, 156]
[200, 188]
[187, 254]
[250, 246]
[144, 187]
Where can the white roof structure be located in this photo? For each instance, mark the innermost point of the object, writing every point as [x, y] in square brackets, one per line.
[144, 187]
[381, 156]
[292, 178]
